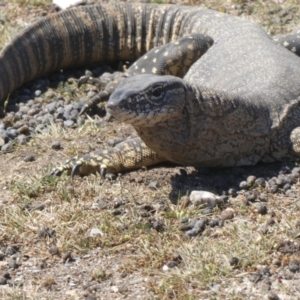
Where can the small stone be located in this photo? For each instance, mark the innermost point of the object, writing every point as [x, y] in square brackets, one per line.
[261, 208]
[255, 277]
[273, 188]
[68, 123]
[234, 261]
[203, 198]
[232, 192]
[11, 250]
[90, 297]
[264, 229]
[22, 139]
[266, 271]
[95, 232]
[67, 257]
[193, 232]
[12, 264]
[33, 111]
[270, 222]
[171, 264]
[117, 212]
[294, 266]
[3, 280]
[251, 197]
[213, 222]
[227, 214]
[200, 224]
[251, 179]
[12, 133]
[56, 145]
[7, 147]
[53, 250]
[153, 185]
[37, 93]
[260, 182]
[122, 289]
[276, 262]
[2, 141]
[244, 185]
[46, 232]
[207, 211]
[24, 130]
[272, 296]
[29, 158]
[263, 197]
[184, 219]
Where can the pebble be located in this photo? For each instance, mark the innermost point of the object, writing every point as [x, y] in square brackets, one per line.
[264, 229]
[255, 277]
[244, 185]
[213, 222]
[203, 198]
[3, 280]
[193, 232]
[22, 139]
[262, 208]
[171, 264]
[53, 250]
[207, 211]
[251, 179]
[12, 264]
[90, 297]
[227, 214]
[67, 257]
[272, 296]
[95, 232]
[69, 123]
[7, 147]
[46, 232]
[153, 185]
[56, 145]
[234, 261]
[294, 266]
[260, 182]
[29, 158]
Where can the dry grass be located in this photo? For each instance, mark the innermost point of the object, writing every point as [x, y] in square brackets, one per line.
[39, 211]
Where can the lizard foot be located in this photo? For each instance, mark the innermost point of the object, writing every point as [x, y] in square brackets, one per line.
[104, 162]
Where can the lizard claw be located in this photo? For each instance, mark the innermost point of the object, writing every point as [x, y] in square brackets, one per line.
[75, 170]
[94, 101]
[103, 171]
[55, 172]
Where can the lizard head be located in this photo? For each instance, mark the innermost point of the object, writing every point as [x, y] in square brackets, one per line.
[144, 100]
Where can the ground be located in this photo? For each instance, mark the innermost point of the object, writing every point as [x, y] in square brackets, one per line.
[93, 238]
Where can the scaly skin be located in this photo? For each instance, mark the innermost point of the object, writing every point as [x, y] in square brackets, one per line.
[237, 104]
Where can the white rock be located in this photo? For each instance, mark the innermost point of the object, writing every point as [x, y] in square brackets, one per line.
[203, 198]
[165, 268]
[96, 231]
[65, 3]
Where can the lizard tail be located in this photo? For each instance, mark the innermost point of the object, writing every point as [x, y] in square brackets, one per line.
[84, 36]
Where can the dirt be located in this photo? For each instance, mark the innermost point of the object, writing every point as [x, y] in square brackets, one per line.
[138, 214]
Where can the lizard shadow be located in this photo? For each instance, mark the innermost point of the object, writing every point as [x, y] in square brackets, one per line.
[227, 180]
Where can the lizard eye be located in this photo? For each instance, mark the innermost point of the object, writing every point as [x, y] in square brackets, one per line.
[157, 92]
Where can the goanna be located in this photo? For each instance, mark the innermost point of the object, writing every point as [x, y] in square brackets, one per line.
[238, 104]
